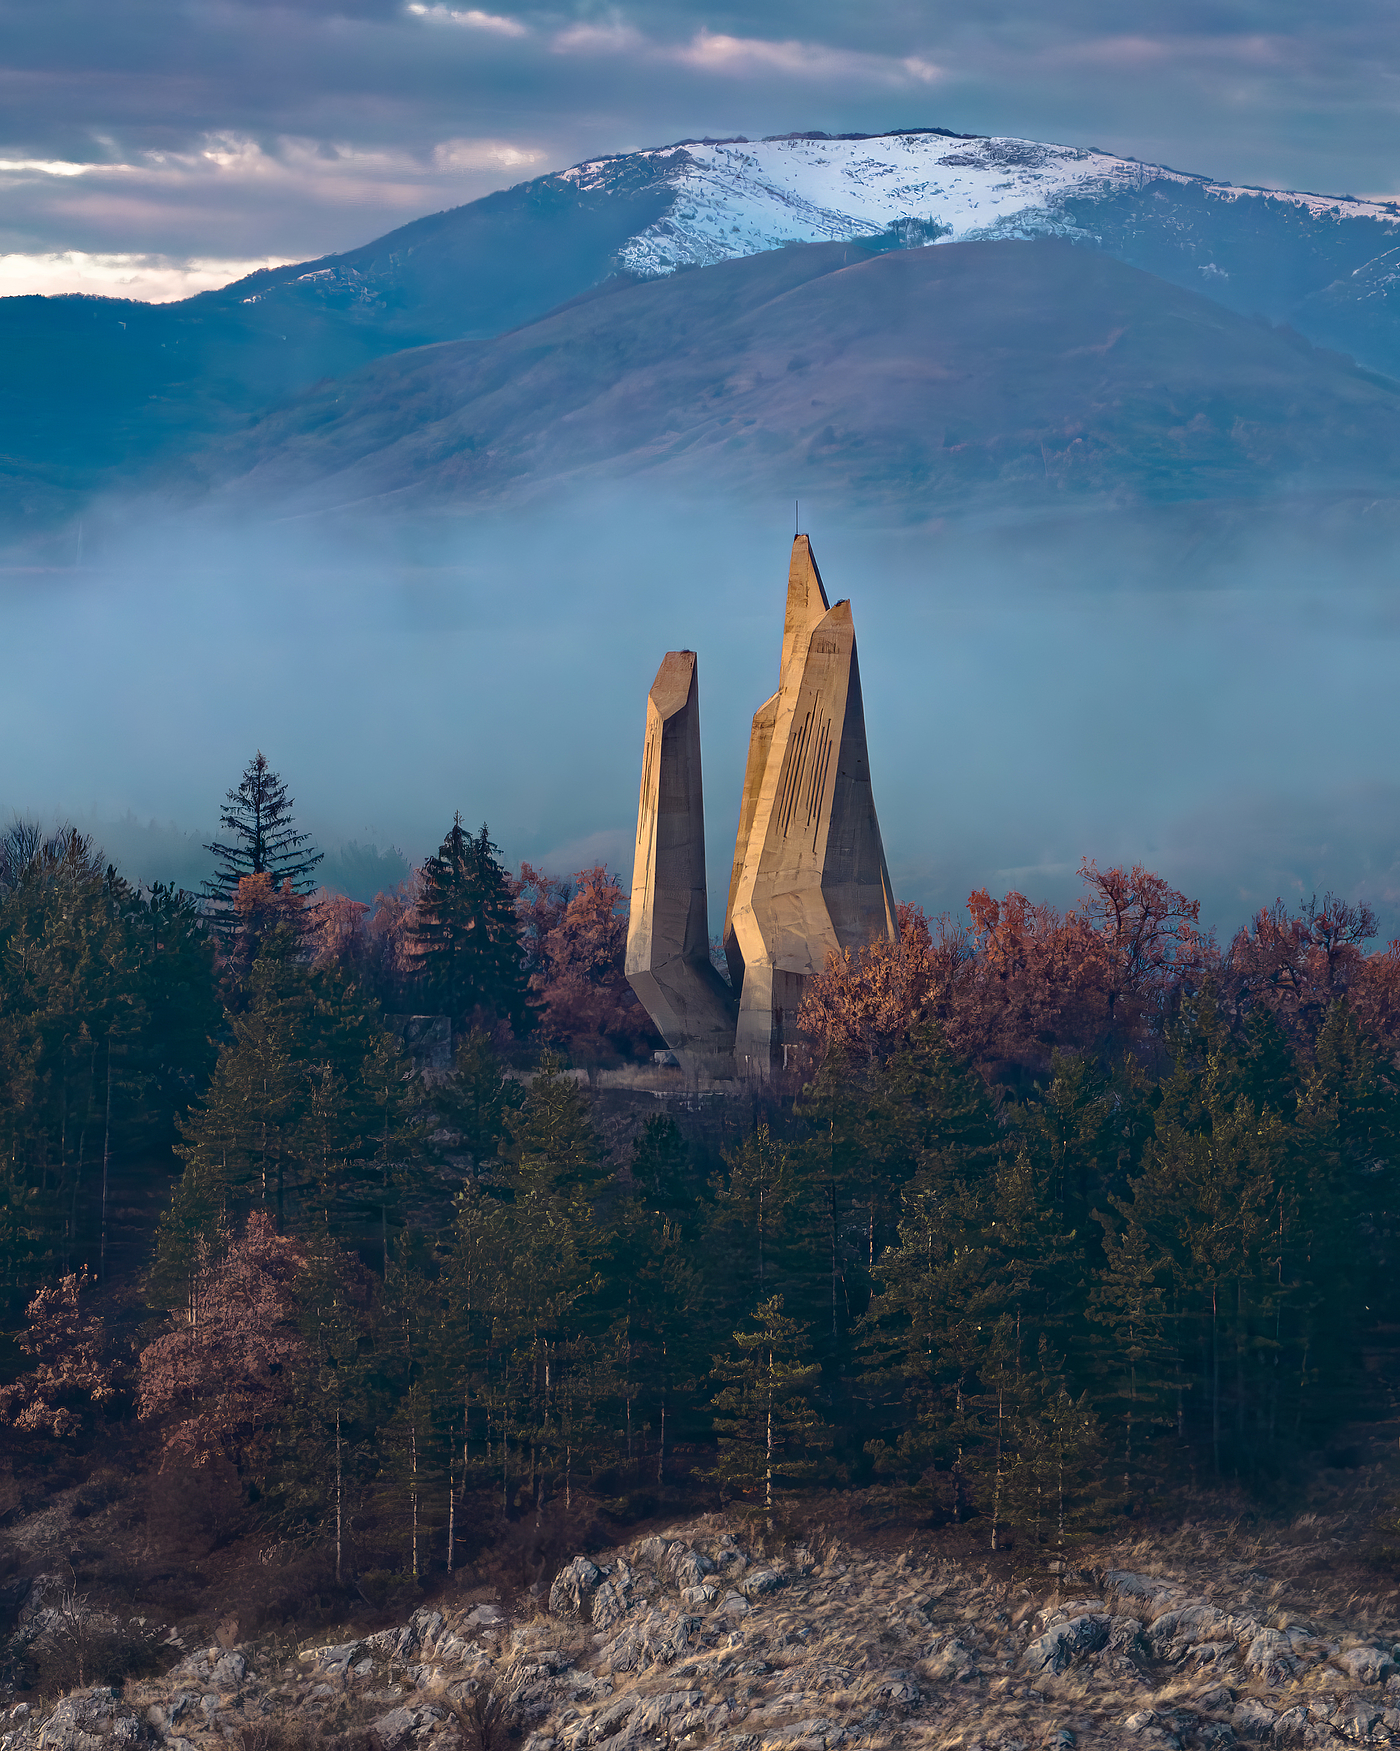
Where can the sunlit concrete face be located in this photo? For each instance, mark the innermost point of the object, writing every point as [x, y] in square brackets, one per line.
[809, 876]
[668, 940]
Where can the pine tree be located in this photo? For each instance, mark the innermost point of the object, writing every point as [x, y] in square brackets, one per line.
[753, 1212]
[72, 1008]
[937, 1112]
[768, 1427]
[923, 1338]
[467, 934]
[842, 1209]
[1344, 1195]
[1053, 1454]
[258, 815]
[656, 1293]
[242, 1143]
[525, 1369]
[1135, 1359]
[473, 1103]
[1215, 1202]
[322, 1468]
[1068, 1132]
[660, 1168]
[413, 1445]
[307, 1113]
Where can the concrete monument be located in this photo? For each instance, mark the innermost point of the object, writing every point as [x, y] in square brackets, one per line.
[668, 932]
[809, 876]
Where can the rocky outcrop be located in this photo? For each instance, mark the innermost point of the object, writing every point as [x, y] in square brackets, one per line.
[704, 1637]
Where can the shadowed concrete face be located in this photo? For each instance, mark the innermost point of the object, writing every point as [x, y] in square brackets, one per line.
[809, 868]
[668, 941]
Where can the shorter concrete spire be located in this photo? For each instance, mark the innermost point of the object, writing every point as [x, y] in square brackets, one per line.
[668, 931]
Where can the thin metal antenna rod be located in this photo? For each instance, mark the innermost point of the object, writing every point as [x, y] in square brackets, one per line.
[796, 528]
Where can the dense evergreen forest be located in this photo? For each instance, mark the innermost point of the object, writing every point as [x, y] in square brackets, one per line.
[1059, 1213]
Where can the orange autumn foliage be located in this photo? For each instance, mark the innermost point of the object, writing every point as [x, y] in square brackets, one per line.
[1024, 980]
[579, 948]
[219, 1378]
[66, 1346]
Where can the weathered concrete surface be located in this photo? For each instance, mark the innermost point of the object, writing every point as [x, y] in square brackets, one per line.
[668, 939]
[809, 876]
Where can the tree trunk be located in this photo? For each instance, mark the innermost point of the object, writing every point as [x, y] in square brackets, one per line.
[1215, 1377]
[106, 1162]
[338, 1496]
[831, 1196]
[768, 1474]
[996, 1493]
[413, 1449]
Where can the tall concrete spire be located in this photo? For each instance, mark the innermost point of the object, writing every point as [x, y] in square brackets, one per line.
[668, 932]
[806, 603]
[809, 871]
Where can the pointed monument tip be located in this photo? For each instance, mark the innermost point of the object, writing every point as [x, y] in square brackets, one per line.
[674, 682]
[803, 571]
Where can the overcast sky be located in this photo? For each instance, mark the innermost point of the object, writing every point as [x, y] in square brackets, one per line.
[160, 146]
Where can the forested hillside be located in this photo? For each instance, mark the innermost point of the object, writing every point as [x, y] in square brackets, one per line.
[1061, 1215]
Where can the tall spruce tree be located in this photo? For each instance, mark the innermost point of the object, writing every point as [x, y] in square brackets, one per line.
[264, 841]
[467, 933]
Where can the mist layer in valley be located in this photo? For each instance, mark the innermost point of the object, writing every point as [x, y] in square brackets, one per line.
[1205, 687]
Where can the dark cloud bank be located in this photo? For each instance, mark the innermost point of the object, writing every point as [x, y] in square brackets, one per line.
[232, 129]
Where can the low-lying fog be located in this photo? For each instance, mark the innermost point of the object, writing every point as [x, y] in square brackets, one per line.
[1211, 694]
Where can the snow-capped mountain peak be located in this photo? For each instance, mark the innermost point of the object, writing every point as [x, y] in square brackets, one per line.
[740, 197]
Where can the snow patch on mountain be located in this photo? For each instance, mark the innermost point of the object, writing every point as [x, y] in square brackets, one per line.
[735, 198]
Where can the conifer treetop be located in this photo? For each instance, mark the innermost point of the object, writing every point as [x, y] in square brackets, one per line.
[258, 815]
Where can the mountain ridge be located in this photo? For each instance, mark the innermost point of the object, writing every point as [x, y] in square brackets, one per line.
[982, 375]
[96, 393]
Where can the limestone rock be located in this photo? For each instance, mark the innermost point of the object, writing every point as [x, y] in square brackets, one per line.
[856, 1648]
[89, 1720]
[229, 1671]
[1365, 1665]
[762, 1580]
[689, 1566]
[572, 1584]
[1270, 1655]
[608, 1606]
[1177, 1630]
[1253, 1719]
[1066, 1642]
[393, 1728]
